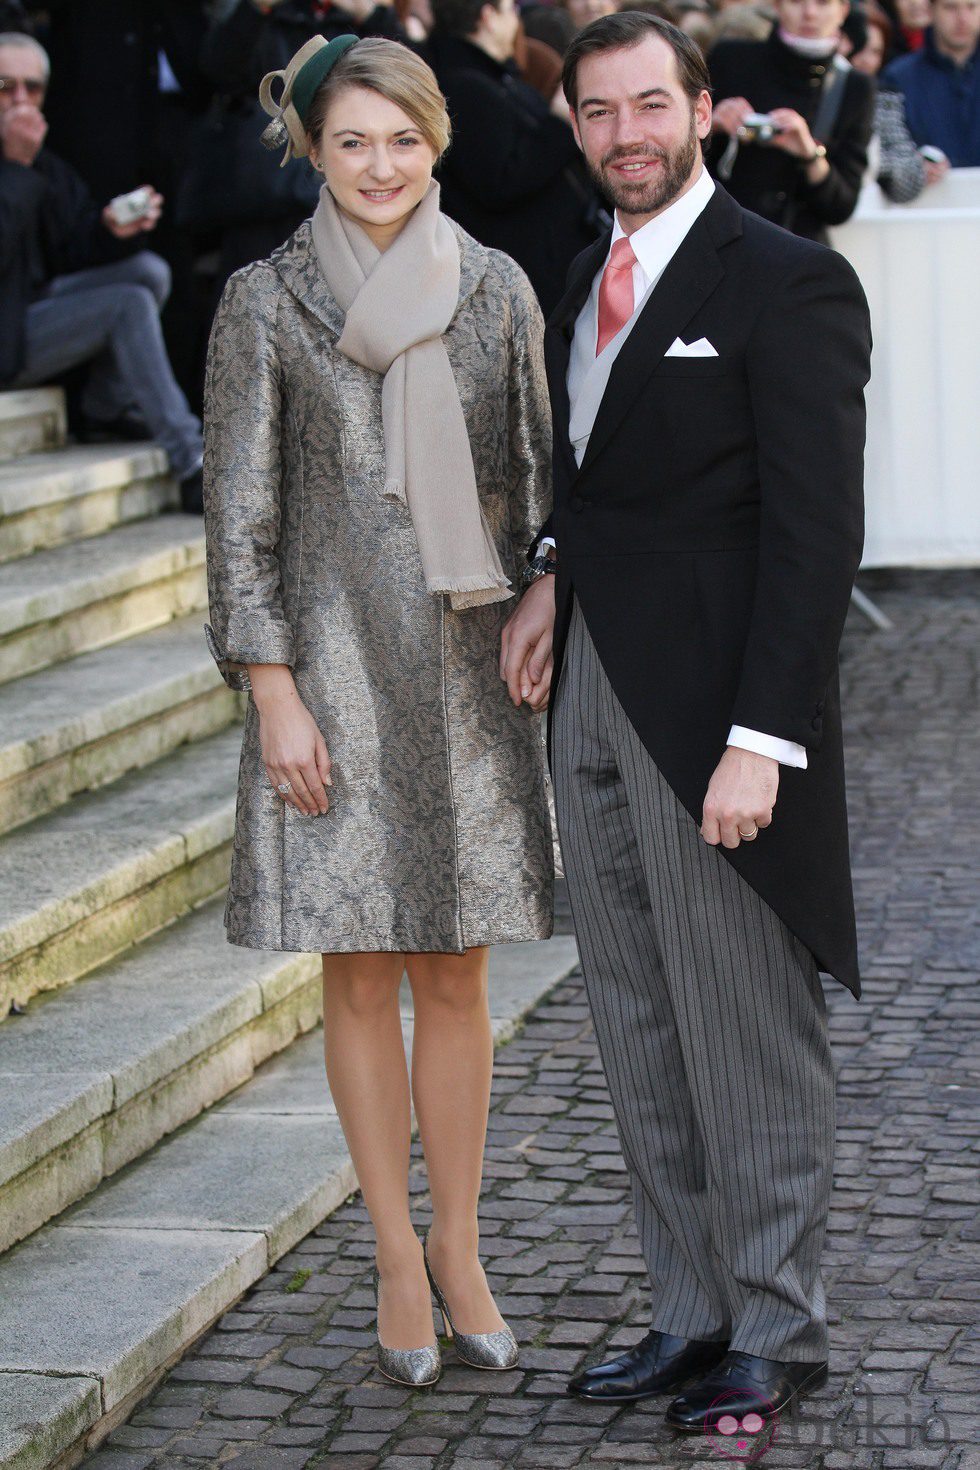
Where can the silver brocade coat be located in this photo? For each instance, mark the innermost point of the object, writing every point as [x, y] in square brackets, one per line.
[438, 836]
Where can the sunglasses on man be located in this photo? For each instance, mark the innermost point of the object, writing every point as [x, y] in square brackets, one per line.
[33, 88]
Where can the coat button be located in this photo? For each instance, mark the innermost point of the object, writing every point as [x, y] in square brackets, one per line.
[815, 722]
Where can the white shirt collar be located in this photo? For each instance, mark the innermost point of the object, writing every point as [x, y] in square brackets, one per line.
[656, 242]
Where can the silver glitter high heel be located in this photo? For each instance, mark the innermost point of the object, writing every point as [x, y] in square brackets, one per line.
[494, 1350]
[413, 1367]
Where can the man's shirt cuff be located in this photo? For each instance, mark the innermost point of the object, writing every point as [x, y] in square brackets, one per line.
[787, 752]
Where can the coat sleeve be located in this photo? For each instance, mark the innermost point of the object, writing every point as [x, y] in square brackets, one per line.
[835, 199]
[902, 174]
[529, 418]
[22, 193]
[808, 363]
[242, 479]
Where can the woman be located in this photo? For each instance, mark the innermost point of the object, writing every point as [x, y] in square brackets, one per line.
[377, 457]
[806, 172]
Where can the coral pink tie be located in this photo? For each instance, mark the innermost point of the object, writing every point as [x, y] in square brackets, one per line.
[615, 293]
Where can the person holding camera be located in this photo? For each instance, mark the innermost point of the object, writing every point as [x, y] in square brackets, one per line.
[66, 295]
[792, 120]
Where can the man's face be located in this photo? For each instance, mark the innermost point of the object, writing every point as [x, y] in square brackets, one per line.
[817, 20]
[22, 72]
[638, 128]
[957, 25]
[503, 21]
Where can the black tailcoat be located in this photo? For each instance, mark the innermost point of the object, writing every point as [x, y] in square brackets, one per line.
[714, 529]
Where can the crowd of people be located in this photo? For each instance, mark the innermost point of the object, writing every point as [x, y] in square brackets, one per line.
[115, 299]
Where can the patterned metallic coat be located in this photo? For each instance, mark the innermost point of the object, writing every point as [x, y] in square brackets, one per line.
[438, 836]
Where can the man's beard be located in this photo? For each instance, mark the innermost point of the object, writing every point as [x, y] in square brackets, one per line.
[649, 195]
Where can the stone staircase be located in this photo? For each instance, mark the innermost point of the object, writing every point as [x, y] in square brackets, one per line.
[165, 1129]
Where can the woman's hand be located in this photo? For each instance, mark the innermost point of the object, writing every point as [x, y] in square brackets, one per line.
[729, 114]
[794, 134]
[526, 660]
[293, 749]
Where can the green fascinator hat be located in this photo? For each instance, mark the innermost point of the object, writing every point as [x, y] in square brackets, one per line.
[299, 79]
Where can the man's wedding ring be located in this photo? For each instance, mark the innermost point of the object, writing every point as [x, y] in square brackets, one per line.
[284, 786]
[748, 836]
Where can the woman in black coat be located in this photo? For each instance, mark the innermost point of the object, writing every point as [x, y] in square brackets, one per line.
[239, 189]
[808, 174]
[513, 177]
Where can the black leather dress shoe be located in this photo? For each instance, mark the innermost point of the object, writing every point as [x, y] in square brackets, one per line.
[657, 1364]
[745, 1388]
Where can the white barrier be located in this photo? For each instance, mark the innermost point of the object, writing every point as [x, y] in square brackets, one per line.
[920, 266]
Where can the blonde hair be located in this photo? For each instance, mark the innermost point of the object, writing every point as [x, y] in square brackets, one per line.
[394, 72]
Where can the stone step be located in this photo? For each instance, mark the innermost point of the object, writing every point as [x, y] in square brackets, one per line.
[83, 883]
[31, 420]
[86, 722]
[49, 499]
[58, 603]
[156, 1254]
[96, 1074]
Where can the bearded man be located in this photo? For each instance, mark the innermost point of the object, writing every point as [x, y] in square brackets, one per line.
[707, 373]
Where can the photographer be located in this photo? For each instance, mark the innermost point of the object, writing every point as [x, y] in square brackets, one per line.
[792, 120]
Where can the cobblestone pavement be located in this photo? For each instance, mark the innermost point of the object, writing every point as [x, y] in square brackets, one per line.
[288, 1379]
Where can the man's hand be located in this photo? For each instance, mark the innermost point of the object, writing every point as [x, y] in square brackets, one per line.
[526, 660]
[729, 115]
[740, 799]
[147, 221]
[23, 130]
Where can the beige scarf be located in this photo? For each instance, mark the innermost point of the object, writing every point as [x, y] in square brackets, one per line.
[398, 304]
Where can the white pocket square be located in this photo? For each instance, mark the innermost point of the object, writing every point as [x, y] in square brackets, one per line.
[701, 348]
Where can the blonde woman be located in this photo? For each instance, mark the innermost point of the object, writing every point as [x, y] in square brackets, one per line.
[377, 461]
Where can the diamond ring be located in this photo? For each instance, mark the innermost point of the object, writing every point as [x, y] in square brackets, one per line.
[284, 786]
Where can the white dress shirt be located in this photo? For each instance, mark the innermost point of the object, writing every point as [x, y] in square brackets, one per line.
[654, 246]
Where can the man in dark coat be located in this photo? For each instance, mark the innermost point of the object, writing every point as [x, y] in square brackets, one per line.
[941, 83]
[66, 296]
[513, 176]
[807, 174]
[707, 373]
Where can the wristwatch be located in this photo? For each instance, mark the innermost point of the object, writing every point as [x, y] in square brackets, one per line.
[819, 151]
[539, 566]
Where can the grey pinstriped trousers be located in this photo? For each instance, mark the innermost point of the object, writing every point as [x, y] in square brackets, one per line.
[711, 1024]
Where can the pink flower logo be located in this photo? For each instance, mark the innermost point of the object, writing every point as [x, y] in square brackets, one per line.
[739, 1433]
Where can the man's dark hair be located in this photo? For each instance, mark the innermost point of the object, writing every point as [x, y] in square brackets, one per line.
[629, 28]
[458, 17]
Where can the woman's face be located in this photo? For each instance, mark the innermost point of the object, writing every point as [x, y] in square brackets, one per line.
[375, 161]
[817, 20]
[914, 14]
[869, 59]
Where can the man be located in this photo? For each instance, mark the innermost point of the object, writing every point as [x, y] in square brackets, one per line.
[941, 83]
[61, 307]
[707, 373]
[807, 175]
[513, 177]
